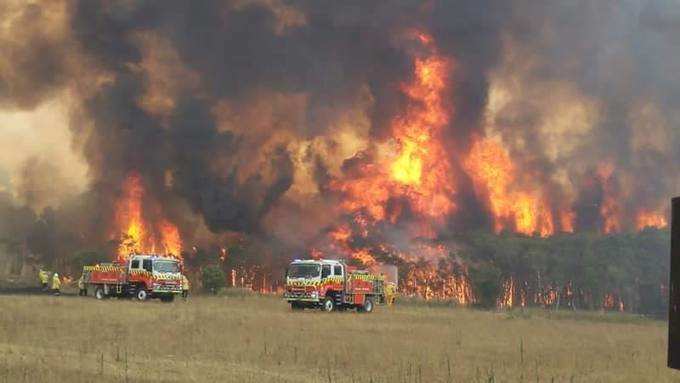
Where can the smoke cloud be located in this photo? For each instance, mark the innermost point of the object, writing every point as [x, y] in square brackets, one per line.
[246, 115]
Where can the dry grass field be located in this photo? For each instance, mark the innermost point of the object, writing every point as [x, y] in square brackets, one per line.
[258, 339]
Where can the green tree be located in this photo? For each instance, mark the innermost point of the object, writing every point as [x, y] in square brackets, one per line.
[486, 282]
[213, 278]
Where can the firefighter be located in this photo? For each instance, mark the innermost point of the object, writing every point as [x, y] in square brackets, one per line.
[82, 287]
[56, 284]
[390, 293]
[44, 278]
[185, 286]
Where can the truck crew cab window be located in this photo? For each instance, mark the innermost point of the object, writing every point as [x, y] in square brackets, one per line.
[147, 265]
[337, 270]
[134, 264]
[325, 271]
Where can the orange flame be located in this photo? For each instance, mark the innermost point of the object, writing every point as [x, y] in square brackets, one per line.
[417, 171]
[170, 238]
[341, 237]
[430, 283]
[420, 171]
[316, 254]
[129, 217]
[613, 302]
[494, 177]
[421, 163]
[367, 194]
[507, 295]
[647, 219]
[515, 293]
[435, 276]
[137, 236]
[609, 209]
[567, 219]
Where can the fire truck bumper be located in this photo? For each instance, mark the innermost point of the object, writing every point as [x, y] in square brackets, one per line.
[294, 296]
[165, 289]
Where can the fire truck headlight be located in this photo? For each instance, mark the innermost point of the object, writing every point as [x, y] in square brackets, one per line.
[314, 294]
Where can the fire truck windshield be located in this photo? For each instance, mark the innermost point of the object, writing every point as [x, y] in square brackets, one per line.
[166, 267]
[304, 271]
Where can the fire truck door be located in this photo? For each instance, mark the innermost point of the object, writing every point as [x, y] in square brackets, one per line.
[147, 265]
[339, 272]
[135, 264]
[325, 271]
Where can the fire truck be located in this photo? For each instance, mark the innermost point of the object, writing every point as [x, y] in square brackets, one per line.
[331, 285]
[141, 277]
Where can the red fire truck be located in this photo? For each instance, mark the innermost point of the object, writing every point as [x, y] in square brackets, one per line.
[142, 277]
[332, 285]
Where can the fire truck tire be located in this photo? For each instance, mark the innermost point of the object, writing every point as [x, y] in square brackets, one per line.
[296, 306]
[168, 298]
[141, 295]
[99, 293]
[328, 304]
[367, 307]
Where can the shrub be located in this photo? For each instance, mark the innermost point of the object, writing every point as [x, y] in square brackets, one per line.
[213, 278]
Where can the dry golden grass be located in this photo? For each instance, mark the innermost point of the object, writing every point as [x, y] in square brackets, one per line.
[258, 339]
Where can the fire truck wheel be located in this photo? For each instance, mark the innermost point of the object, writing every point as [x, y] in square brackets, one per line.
[328, 304]
[99, 293]
[168, 298]
[141, 295]
[367, 307]
[296, 306]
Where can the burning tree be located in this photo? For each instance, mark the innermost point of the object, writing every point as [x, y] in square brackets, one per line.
[137, 234]
[309, 128]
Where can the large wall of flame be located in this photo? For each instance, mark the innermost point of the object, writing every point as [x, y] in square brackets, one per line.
[246, 115]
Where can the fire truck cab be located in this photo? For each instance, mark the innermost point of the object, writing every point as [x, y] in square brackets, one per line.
[331, 285]
[142, 276]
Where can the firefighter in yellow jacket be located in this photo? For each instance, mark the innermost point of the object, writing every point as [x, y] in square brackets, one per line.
[44, 279]
[56, 284]
[185, 286]
[390, 293]
[82, 287]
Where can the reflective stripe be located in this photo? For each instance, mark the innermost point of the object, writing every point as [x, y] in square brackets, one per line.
[366, 277]
[136, 272]
[168, 277]
[140, 272]
[335, 280]
[303, 283]
[103, 268]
